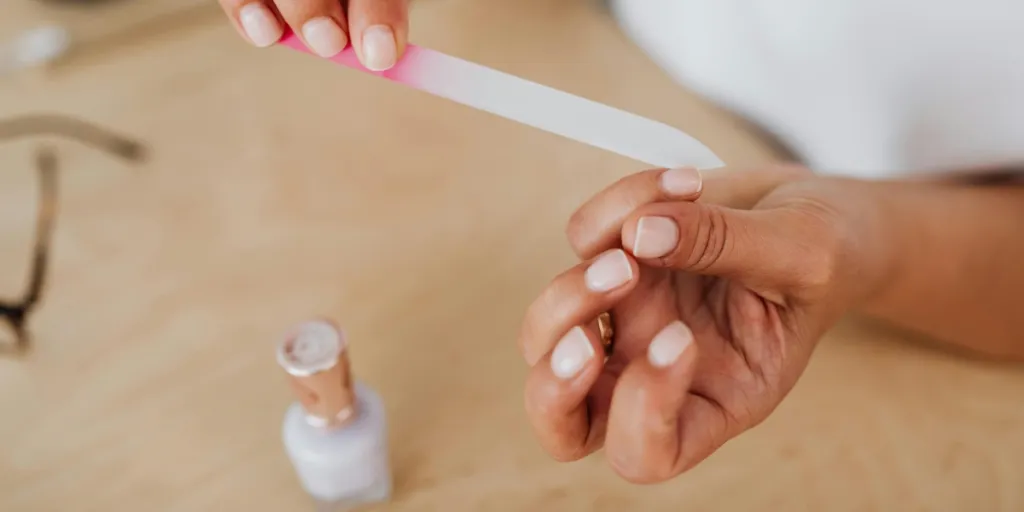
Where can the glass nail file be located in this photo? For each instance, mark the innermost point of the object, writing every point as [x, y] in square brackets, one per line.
[539, 106]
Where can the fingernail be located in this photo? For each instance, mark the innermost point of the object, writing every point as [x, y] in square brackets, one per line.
[379, 48]
[655, 237]
[669, 344]
[260, 24]
[610, 271]
[571, 354]
[681, 182]
[324, 36]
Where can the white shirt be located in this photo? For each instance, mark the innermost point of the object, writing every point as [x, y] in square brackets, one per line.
[870, 88]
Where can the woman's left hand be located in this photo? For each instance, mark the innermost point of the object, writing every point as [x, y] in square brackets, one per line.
[716, 311]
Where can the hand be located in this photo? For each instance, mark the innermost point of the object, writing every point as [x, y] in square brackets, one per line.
[378, 29]
[716, 311]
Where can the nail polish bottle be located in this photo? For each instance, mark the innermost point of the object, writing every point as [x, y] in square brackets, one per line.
[336, 432]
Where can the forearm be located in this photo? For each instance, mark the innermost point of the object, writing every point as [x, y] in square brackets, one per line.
[955, 269]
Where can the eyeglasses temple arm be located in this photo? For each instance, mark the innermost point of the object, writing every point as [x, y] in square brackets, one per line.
[46, 162]
[86, 133]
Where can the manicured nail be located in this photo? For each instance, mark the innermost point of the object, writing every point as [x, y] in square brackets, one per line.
[379, 48]
[681, 182]
[655, 237]
[260, 24]
[608, 272]
[669, 344]
[324, 36]
[571, 354]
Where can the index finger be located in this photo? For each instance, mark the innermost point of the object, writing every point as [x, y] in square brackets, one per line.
[596, 226]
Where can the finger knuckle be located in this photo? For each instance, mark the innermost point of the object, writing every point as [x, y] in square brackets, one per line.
[538, 400]
[631, 466]
[642, 475]
[527, 329]
[564, 454]
[822, 260]
[819, 269]
[576, 229]
[559, 303]
[559, 447]
[529, 333]
[792, 171]
[562, 299]
[709, 240]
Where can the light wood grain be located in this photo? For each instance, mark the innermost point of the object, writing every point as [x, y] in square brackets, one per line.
[281, 188]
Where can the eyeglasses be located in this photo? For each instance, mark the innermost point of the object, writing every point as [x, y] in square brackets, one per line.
[15, 313]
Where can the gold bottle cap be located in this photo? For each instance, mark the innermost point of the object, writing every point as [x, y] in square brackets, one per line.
[315, 356]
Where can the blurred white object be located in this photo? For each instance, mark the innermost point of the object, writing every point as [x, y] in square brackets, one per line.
[871, 88]
[34, 48]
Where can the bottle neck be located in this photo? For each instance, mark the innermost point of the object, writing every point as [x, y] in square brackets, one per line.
[338, 422]
[328, 398]
[316, 359]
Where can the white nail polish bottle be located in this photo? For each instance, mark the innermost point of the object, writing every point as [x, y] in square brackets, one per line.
[336, 433]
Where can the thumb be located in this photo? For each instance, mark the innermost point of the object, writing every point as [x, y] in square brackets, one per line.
[772, 251]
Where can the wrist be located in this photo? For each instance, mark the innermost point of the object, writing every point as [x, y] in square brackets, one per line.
[868, 236]
[879, 235]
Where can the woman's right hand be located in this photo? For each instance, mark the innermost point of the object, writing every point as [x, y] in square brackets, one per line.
[716, 310]
[377, 29]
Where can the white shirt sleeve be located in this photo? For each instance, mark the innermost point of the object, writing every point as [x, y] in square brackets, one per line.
[869, 88]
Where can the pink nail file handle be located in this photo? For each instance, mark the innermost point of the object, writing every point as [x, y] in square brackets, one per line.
[538, 106]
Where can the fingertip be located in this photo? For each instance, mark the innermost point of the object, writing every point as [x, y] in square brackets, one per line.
[634, 475]
[670, 345]
[556, 394]
[596, 225]
[654, 237]
[583, 239]
[661, 234]
[379, 48]
[259, 24]
[611, 271]
[681, 183]
[628, 235]
[572, 353]
[325, 36]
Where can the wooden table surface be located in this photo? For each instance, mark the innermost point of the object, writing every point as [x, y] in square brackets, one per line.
[280, 188]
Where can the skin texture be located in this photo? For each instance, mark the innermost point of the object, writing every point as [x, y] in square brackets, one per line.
[764, 263]
[353, 18]
[958, 275]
